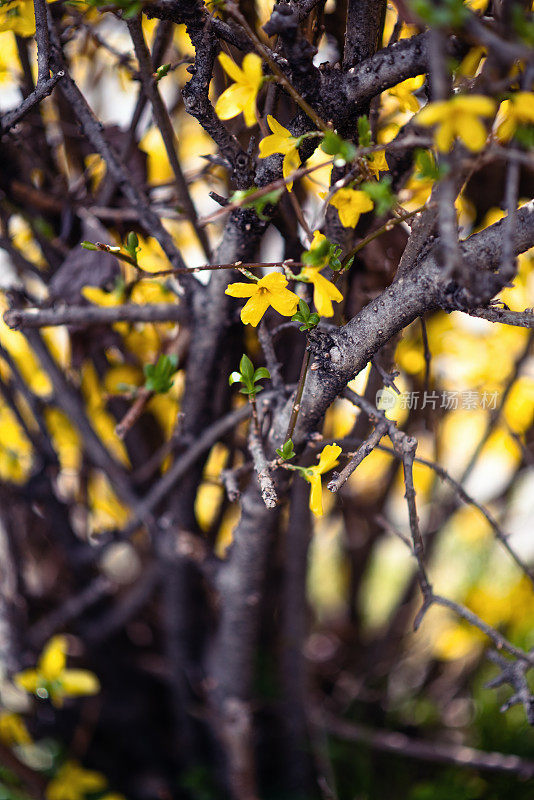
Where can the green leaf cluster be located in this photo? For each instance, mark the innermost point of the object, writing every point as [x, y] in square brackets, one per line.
[334, 145]
[287, 450]
[258, 204]
[428, 168]
[249, 377]
[443, 14]
[308, 319]
[325, 254]
[381, 194]
[159, 377]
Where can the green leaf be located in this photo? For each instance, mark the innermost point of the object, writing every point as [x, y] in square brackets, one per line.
[342, 150]
[286, 451]
[246, 366]
[427, 168]
[235, 377]
[89, 246]
[261, 372]
[381, 194]
[159, 376]
[258, 204]
[132, 245]
[446, 14]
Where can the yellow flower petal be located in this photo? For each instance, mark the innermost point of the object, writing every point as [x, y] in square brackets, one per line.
[255, 308]
[231, 68]
[445, 136]
[285, 302]
[75, 682]
[53, 658]
[471, 131]
[432, 113]
[290, 164]
[232, 101]
[524, 105]
[328, 458]
[324, 292]
[249, 110]
[241, 289]
[507, 128]
[316, 495]
[252, 69]
[13, 730]
[274, 282]
[351, 203]
[28, 680]
[476, 104]
[277, 128]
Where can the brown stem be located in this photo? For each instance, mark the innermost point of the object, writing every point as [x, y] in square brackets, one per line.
[298, 396]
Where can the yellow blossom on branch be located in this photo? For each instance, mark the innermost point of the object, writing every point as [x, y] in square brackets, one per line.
[240, 97]
[350, 204]
[281, 141]
[324, 290]
[518, 110]
[327, 461]
[377, 163]
[268, 291]
[73, 782]
[458, 118]
[51, 678]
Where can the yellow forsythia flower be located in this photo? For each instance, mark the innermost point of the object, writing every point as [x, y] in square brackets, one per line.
[51, 678]
[281, 141]
[458, 118]
[376, 162]
[350, 203]
[323, 290]
[268, 291]
[327, 460]
[518, 110]
[13, 729]
[240, 97]
[73, 782]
